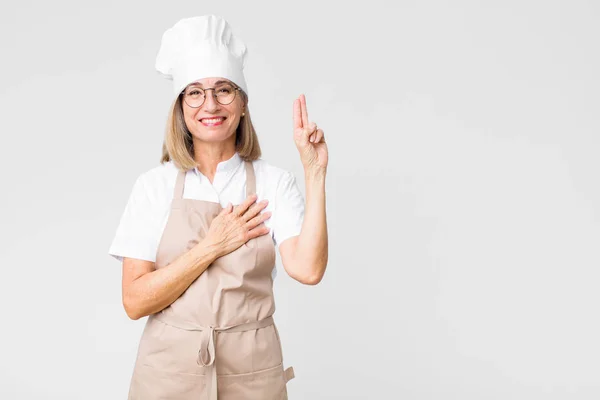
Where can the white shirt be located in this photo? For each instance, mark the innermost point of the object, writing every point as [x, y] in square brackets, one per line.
[145, 217]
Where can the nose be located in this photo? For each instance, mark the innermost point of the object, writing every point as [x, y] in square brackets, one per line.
[210, 102]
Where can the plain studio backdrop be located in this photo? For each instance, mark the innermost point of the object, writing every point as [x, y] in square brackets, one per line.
[462, 191]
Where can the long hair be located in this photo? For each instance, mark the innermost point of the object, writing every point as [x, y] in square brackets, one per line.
[179, 146]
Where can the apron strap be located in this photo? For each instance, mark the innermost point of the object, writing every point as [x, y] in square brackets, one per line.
[178, 193]
[250, 179]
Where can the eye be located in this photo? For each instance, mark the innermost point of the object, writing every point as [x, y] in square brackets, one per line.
[194, 92]
[225, 90]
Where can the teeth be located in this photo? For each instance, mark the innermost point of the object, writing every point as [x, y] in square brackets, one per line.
[212, 120]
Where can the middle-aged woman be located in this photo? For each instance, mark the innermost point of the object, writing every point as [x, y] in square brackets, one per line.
[199, 267]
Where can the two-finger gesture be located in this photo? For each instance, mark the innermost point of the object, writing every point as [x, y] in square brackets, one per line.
[309, 139]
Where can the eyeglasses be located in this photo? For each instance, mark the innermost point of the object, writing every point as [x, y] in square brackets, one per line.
[194, 96]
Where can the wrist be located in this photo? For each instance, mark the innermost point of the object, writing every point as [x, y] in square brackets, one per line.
[314, 174]
[207, 250]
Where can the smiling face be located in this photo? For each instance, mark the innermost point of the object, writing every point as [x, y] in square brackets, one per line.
[212, 121]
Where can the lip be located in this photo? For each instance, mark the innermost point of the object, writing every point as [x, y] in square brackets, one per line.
[215, 124]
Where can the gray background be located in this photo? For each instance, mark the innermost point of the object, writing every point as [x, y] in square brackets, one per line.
[462, 191]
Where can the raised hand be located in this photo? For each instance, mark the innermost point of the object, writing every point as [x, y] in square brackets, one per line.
[309, 139]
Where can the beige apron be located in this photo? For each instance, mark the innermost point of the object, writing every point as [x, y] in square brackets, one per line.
[218, 337]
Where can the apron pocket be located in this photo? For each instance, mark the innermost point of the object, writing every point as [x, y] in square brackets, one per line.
[268, 384]
[150, 383]
[173, 350]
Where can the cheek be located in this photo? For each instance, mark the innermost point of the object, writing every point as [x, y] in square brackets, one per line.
[237, 107]
[234, 114]
[189, 116]
[235, 121]
[186, 114]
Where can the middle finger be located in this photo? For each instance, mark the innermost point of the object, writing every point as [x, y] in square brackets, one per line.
[240, 209]
[255, 209]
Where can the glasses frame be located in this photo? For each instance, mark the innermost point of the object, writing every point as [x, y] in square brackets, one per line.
[235, 88]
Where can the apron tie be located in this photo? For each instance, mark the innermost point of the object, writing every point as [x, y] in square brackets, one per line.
[207, 347]
[207, 356]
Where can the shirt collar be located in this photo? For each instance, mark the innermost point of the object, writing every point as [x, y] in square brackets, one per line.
[226, 166]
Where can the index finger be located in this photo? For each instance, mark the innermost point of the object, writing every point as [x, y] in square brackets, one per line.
[297, 114]
[243, 206]
[303, 109]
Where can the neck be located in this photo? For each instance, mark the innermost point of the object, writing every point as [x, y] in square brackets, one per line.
[209, 154]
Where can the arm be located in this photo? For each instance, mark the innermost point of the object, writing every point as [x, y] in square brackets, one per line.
[147, 290]
[304, 257]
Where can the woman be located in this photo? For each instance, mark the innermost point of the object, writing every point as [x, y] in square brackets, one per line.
[200, 268]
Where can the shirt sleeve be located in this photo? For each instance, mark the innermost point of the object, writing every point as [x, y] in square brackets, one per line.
[288, 213]
[136, 235]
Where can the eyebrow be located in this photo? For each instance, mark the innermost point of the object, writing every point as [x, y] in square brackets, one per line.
[216, 83]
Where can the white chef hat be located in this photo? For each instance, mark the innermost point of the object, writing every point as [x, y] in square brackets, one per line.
[201, 47]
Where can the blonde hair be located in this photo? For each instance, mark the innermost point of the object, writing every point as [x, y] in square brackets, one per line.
[178, 145]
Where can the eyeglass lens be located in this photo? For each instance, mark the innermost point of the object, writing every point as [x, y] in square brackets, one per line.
[194, 95]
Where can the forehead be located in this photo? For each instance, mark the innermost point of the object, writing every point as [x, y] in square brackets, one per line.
[209, 82]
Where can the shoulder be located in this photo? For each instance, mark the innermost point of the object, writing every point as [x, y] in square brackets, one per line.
[270, 174]
[158, 177]
[278, 183]
[142, 221]
[288, 201]
[155, 182]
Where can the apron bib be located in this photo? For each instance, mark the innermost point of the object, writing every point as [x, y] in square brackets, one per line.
[218, 338]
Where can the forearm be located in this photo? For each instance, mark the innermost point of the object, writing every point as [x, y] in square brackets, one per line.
[156, 290]
[311, 252]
